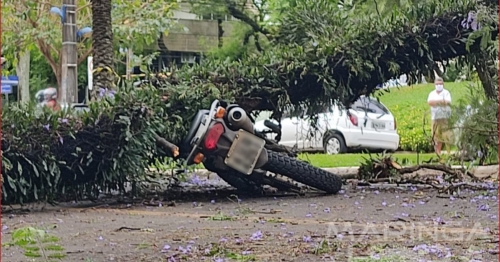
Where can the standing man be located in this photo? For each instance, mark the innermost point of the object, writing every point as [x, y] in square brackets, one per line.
[440, 100]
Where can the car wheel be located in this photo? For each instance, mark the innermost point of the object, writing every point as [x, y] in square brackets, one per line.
[334, 144]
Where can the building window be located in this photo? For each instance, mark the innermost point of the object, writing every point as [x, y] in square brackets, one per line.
[188, 58]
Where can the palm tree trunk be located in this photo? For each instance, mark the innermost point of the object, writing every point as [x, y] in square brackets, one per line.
[102, 44]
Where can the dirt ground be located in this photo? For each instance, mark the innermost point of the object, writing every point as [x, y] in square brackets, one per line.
[359, 224]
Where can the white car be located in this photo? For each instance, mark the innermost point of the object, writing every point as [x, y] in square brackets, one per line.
[367, 124]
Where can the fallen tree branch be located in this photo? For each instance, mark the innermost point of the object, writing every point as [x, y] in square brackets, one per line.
[173, 149]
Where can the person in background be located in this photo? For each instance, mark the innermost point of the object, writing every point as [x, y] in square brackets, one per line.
[440, 100]
[48, 97]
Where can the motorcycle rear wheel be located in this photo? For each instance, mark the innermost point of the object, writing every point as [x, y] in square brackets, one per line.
[236, 179]
[303, 172]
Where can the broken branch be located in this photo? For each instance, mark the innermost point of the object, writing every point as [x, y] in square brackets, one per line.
[173, 149]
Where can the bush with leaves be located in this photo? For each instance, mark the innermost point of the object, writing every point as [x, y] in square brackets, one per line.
[476, 126]
[47, 154]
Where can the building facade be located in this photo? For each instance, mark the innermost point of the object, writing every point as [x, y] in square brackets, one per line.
[192, 36]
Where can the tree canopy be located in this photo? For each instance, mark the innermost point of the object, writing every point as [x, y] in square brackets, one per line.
[323, 52]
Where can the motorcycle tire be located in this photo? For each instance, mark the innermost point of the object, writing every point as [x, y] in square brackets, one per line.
[303, 172]
[236, 180]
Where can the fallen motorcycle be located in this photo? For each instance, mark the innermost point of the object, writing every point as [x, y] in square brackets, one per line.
[224, 140]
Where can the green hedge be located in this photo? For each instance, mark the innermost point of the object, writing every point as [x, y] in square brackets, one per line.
[47, 155]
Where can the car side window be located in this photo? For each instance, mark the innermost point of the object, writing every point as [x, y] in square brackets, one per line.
[370, 106]
[378, 107]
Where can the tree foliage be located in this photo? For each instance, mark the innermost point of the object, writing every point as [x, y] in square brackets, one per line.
[28, 24]
[323, 53]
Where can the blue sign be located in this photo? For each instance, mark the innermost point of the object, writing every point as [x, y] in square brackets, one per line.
[13, 78]
[6, 89]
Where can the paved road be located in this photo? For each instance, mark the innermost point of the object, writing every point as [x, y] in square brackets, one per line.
[395, 224]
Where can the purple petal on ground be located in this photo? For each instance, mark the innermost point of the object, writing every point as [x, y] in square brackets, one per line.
[404, 214]
[356, 203]
[256, 236]
[194, 204]
[306, 239]
[326, 210]
[218, 259]
[439, 220]
[165, 248]
[375, 256]
[191, 242]
[421, 202]
[384, 203]
[404, 204]
[413, 188]
[452, 198]
[484, 207]
[340, 236]
[100, 238]
[223, 239]
[308, 215]
[397, 196]
[376, 192]
[342, 192]
[238, 241]
[212, 202]
[4, 227]
[312, 205]
[46, 127]
[246, 252]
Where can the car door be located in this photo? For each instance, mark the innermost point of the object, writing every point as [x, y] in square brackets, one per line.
[372, 117]
[315, 134]
[289, 131]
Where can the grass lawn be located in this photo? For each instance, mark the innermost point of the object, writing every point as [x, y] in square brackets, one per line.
[414, 97]
[348, 160]
[409, 106]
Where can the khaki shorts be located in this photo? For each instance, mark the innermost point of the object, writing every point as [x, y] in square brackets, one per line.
[441, 131]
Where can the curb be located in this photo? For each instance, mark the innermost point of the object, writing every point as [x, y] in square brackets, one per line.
[345, 171]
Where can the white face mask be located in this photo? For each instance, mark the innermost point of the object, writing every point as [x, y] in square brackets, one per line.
[439, 88]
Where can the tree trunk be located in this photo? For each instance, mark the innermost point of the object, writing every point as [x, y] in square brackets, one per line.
[23, 73]
[102, 44]
[221, 33]
[486, 72]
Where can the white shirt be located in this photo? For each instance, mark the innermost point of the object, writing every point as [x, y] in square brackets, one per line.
[440, 112]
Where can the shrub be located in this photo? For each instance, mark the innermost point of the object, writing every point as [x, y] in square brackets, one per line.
[47, 155]
[476, 122]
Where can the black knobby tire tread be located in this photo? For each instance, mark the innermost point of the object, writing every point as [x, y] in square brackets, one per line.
[236, 180]
[303, 172]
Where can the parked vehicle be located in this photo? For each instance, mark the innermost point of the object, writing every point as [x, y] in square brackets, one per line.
[223, 138]
[366, 124]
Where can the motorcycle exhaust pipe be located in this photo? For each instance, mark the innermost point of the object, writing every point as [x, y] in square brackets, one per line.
[238, 119]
